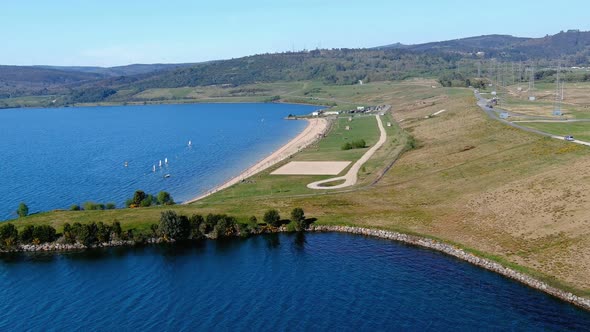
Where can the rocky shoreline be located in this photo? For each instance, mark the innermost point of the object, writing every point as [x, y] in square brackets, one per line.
[448, 249]
[487, 264]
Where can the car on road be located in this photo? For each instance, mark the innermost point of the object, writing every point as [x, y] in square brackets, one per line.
[569, 138]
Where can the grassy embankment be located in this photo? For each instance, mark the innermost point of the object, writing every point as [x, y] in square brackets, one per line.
[505, 194]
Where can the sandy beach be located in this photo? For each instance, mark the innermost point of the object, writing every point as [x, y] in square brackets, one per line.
[316, 127]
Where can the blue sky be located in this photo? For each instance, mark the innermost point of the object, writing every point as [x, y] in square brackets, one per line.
[108, 32]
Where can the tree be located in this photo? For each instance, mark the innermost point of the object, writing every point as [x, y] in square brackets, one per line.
[196, 220]
[138, 196]
[75, 207]
[67, 233]
[173, 226]
[23, 210]
[272, 217]
[8, 234]
[147, 201]
[110, 206]
[117, 229]
[298, 217]
[26, 235]
[43, 234]
[164, 198]
[103, 232]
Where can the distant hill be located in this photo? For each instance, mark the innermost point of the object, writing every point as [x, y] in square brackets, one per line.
[452, 62]
[572, 46]
[129, 70]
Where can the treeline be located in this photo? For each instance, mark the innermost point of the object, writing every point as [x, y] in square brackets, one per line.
[455, 79]
[171, 227]
[177, 227]
[139, 199]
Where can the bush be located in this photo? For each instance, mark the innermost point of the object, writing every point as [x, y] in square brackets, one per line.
[75, 207]
[43, 234]
[111, 206]
[23, 210]
[298, 217]
[164, 198]
[225, 225]
[196, 221]
[411, 143]
[357, 144]
[103, 232]
[8, 235]
[89, 206]
[116, 228]
[147, 201]
[26, 235]
[272, 217]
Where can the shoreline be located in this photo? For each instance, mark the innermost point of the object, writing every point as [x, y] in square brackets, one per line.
[167, 102]
[413, 240]
[314, 129]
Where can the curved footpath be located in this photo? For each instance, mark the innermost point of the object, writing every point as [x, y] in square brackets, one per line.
[351, 177]
[316, 128]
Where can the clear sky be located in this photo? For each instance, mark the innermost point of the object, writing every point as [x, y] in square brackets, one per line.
[119, 32]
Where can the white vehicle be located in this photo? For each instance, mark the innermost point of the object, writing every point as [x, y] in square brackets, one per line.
[569, 138]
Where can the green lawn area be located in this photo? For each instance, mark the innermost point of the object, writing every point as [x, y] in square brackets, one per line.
[327, 149]
[580, 130]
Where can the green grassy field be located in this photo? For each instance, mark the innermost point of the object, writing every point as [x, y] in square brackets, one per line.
[580, 130]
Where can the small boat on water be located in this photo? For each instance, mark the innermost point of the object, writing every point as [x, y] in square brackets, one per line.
[154, 168]
[126, 164]
[160, 163]
[166, 176]
[166, 160]
[190, 143]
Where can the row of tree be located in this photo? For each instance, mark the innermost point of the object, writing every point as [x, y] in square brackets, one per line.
[172, 226]
[142, 199]
[139, 199]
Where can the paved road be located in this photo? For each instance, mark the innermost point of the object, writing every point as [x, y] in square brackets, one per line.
[492, 113]
[351, 177]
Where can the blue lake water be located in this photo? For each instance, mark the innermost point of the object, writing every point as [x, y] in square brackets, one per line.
[316, 282]
[53, 158]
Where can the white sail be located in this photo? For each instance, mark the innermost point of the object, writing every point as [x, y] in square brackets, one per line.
[190, 143]
[154, 168]
[160, 163]
[165, 160]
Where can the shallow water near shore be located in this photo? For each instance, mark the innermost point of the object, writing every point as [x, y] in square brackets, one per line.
[325, 281]
[53, 158]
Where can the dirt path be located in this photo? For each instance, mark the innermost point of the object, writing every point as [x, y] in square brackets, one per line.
[351, 177]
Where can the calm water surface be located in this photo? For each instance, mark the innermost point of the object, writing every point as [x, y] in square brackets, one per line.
[331, 281]
[53, 158]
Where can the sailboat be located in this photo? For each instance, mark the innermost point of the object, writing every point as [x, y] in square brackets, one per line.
[154, 168]
[190, 143]
[160, 163]
[166, 161]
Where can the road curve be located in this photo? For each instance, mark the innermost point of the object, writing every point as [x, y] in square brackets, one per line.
[482, 103]
[351, 177]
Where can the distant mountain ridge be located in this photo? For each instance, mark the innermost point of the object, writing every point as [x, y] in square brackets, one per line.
[571, 45]
[67, 85]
